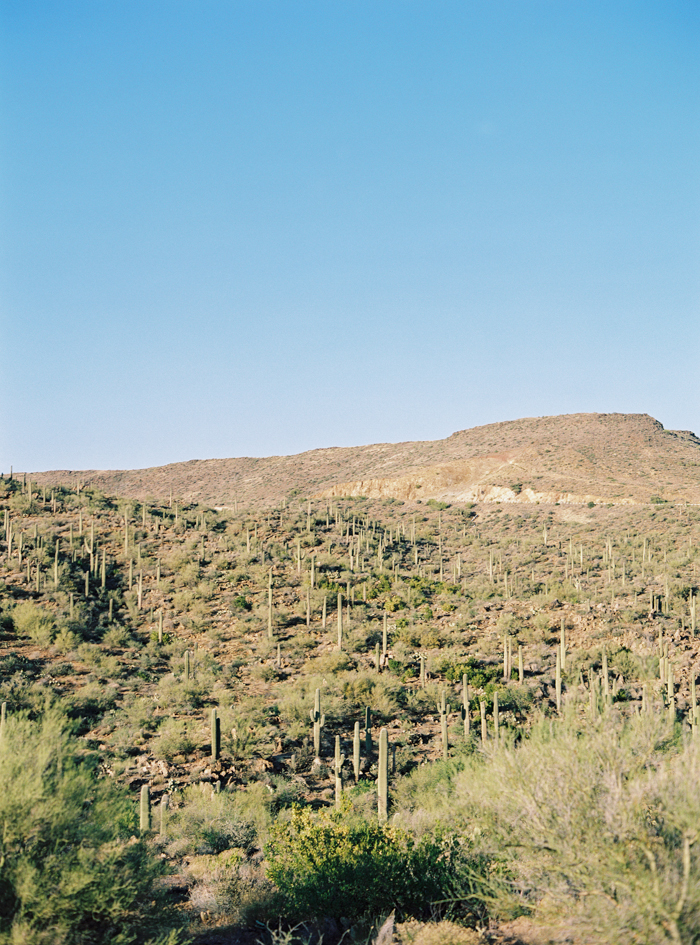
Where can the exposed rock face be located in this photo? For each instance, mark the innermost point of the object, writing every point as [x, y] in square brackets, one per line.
[573, 459]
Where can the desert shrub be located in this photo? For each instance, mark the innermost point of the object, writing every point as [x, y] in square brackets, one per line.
[479, 674]
[384, 694]
[621, 660]
[206, 822]
[407, 633]
[33, 621]
[66, 640]
[601, 817]
[265, 671]
[173, 739]
[6, 623]
[324, 865]
[181, 694]
[335, 662]
[87, 705]
[394, 603]
[117, 637]
[71, 872]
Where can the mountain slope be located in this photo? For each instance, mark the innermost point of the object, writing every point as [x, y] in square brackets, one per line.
[575, 458]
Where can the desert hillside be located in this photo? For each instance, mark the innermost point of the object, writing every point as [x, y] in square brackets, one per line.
[576, 459]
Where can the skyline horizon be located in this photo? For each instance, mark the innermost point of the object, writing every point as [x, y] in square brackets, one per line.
[354, 446]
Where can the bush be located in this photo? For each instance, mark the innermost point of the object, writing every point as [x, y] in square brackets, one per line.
[71, 870]
[173, 740]
[600, 818]
[33, 621]
[209, 823]
[325, 866]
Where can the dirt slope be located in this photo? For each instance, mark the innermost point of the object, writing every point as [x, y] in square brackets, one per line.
[576, 458]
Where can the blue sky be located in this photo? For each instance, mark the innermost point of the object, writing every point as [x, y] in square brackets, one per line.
[249, 228]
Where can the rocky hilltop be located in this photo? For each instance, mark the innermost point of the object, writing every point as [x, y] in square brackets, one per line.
[620, 459]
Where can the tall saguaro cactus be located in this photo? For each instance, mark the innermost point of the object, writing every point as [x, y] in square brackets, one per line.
[269, 607]
[215, 735]
[356, 751]
[444, 710]
[558, 680]
[145, 809]
[318, 722]
[496, 719]
[338, 762]
[465, 704]
[340, 620]
[383, 777]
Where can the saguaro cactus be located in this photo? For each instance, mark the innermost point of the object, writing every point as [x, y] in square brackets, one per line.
[465, 704]
[558, 680]
[338, 766]
[318, 722]
[215, 735]
[383, 777]
[269, 607]
[164, 815]
[145, 809]
[340, 620]
[368, 733]
[484, 730]
[356, 751]
[444, 710]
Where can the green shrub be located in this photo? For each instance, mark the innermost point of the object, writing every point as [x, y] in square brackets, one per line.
[71, 871]
[325, 866]
[33, 621]
[479, 674]
[599, 817]
[203, 822]
[173, 739]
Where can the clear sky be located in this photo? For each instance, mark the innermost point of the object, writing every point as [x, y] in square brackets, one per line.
[259, 227]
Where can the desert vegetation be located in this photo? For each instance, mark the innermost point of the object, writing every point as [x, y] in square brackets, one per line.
[303, 719]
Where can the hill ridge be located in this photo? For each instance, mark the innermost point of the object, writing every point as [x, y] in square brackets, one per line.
[611, 458]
